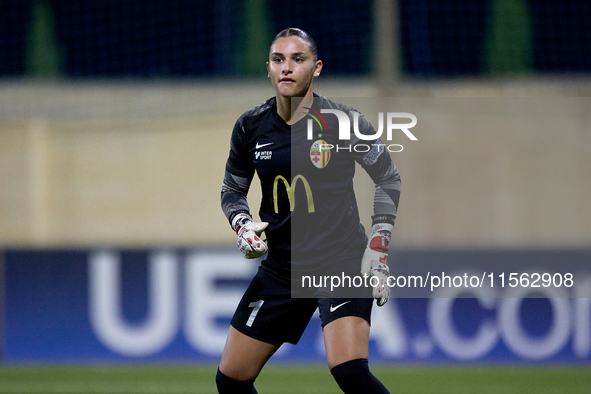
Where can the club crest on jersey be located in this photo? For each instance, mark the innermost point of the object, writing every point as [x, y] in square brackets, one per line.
[320, 153]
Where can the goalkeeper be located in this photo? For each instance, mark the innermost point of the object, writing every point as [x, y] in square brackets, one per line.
[310, 219]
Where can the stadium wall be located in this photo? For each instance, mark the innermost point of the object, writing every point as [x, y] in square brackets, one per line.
[111, 233]
[136, 164]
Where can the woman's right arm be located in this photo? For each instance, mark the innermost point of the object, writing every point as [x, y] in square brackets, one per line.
[237, 179]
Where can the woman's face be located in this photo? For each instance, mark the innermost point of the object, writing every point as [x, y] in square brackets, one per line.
[291, 67]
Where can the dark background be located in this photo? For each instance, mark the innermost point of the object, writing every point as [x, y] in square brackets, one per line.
[191, 38]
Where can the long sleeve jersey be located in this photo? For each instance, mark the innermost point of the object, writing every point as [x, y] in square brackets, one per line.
[306, 174]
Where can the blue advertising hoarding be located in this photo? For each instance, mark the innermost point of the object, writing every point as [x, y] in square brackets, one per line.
[175, 305]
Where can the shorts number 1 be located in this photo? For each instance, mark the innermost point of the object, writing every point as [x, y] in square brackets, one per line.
[257, 305]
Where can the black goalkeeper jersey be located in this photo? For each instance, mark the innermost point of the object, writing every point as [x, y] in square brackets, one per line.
[307, 181]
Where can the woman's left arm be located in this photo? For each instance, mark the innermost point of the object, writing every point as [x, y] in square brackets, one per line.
[378, 164]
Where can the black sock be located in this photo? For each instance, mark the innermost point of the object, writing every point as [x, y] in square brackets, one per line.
[228, 385]
[354, 377]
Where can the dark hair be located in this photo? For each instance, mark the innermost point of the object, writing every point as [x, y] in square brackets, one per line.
[293, 31]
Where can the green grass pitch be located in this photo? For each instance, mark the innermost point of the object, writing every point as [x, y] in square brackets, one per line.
[286, 379]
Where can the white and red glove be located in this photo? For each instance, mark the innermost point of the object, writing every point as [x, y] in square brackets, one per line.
[375, 261]
[249, 241]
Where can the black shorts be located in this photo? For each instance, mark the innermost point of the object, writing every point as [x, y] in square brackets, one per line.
[268, 313]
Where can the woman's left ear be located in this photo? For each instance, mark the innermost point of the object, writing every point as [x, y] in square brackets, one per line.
[318, 68]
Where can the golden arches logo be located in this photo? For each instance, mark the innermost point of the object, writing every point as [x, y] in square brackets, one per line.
[291, 192]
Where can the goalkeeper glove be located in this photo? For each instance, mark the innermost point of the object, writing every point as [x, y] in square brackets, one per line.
[248, 232]
[375, 261]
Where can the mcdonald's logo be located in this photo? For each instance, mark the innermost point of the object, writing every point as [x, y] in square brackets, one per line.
[291, 192]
